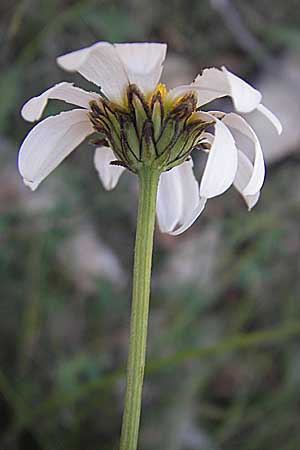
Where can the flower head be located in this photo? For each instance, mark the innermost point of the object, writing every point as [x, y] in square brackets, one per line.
[136, 121]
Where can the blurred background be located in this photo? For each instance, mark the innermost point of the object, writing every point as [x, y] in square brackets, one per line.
[224, 357]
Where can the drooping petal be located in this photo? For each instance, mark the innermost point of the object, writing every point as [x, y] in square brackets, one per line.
[190, 197]
[178, 201]
[236, 122]
[169, 205]
[190, 218]
[243, 175]
[100, 64]
[272, 118]
[33, 108]
[50, 142]
[143, 63]
[109, 174]
[244, 96]
[221, 166]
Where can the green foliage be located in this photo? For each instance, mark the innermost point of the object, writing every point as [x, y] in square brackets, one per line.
[224, 357]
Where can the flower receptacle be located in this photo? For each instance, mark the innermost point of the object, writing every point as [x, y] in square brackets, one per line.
[149, 131]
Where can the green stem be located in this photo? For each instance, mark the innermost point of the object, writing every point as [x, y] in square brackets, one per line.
[148, 182]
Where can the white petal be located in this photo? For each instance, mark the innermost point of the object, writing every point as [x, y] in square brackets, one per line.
[100, 64]
[211, 84]
[243, 175]
[208, 137]
[191, 218]
[214, 83]
[33, 109]
[178, 202]
[244, 96]
[50, 142]
[109, 174]
[169, 205]
[179, 91]
[272, 118]
[72, 61]
[143, 63]
[189, 189]
[236, 122]
[221, 166]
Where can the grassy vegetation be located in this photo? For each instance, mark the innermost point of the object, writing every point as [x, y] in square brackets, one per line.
[223, 369]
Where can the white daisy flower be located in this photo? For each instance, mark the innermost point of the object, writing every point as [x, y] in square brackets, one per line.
[137, 121]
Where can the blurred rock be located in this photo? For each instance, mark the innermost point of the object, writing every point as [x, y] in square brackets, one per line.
[191, 437]
[183, 433]
[85, 259]
[281, 93]
[194, 260]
